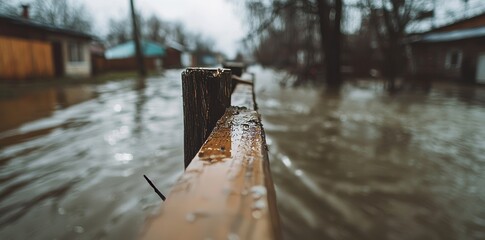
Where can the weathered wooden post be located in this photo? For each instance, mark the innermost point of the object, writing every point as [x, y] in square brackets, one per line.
[227, 191]
[206, 95]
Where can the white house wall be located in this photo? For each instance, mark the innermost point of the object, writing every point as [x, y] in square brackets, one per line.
[76, 69]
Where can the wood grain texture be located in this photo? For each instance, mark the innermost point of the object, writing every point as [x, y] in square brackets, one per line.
[226, 192]
[22, 59]
[206, 95]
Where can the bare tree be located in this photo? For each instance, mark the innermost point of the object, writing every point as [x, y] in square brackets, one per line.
[157, 30]
[154, 29]
[7, 8]
[390, 20]
[178, 33]
[119, 31]
[330, 15]
[62, 13]
[160, 31]
[279, 23]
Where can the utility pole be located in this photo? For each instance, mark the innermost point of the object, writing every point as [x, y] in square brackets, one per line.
[136, 37]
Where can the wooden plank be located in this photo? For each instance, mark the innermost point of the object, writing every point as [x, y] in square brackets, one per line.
[243, 96]
[226, 192]
[21, 59]
[206, 95]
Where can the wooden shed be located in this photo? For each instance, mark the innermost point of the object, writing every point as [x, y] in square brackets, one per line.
[32, 50]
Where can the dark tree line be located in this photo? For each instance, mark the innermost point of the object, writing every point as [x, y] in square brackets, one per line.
[305, 36]
[298, 34]
[61, 13]
[158, 30]
[389, 22]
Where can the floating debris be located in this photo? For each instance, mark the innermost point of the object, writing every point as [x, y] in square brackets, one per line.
[257, 214]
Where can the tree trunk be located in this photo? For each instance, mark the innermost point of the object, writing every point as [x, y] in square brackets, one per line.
[330, 39]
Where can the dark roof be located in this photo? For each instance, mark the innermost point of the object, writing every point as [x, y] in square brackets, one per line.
[456, 35]
[461, 21]
[19, 21]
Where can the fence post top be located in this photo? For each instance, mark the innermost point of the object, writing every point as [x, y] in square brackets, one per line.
[204, 69]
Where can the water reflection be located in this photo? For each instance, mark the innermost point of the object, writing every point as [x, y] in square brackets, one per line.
[361, 163]
[139, 104]
[73, 169]
[34, 104]
[355, 164]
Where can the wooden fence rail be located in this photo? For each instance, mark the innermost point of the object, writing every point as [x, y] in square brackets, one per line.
[226, 191]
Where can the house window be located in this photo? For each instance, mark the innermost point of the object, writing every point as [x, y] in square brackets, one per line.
[453, 59]
[76, 53]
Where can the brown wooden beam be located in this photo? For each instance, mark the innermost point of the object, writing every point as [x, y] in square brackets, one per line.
[206, 95]
[227, 191]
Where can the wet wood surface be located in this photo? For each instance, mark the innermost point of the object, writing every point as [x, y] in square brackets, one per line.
[206, 95]
[226, 192]
[243, 97]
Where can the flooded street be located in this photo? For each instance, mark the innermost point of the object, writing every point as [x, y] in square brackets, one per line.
[354, 164]
[72, 167]
[361, 164]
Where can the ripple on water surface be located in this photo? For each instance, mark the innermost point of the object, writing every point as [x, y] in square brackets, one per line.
[72, 161]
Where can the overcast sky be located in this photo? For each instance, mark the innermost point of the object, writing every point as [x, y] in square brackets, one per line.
[221, 20]
[217, 19]
[214, 18]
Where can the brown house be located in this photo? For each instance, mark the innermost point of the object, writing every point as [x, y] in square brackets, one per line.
[29, 49]
[173, 57]
[452, 52]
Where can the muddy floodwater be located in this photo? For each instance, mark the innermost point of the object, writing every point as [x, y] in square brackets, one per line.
[358, 163]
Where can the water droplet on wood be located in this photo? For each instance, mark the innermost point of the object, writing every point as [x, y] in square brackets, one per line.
[190, 217]
[258, 191]
[257, 214]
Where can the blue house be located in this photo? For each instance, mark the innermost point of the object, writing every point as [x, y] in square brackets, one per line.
[127, 50]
